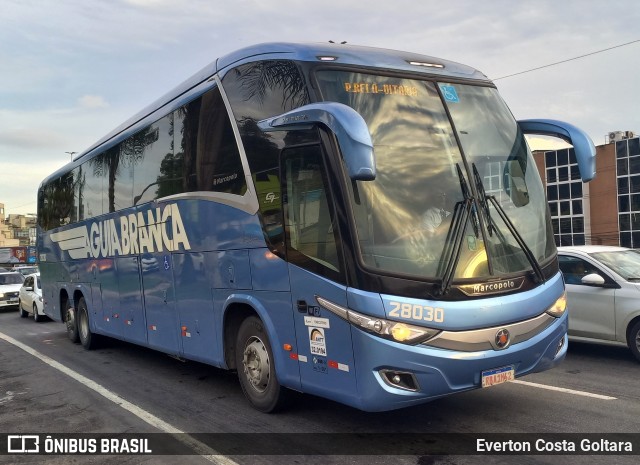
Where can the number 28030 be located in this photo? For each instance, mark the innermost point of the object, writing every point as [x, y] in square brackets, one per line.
[416, 312]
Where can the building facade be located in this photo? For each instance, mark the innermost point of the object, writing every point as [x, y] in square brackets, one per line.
[605, 211]
[6, 232]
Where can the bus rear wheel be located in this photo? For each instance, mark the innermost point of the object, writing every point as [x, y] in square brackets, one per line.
[72, 325]
[87, 338]
[256, 369]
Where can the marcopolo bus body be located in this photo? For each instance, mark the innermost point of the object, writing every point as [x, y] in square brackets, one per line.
[361, 224]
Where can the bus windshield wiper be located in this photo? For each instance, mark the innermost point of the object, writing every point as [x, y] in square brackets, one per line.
[451, 253]
[484, 200]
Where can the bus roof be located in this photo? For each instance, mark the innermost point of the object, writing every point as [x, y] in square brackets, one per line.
[318, 52]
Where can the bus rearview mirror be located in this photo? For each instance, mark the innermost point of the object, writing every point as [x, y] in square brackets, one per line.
[348, 126]
[583, 146]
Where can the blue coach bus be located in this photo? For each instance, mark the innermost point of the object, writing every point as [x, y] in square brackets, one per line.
[360, 224]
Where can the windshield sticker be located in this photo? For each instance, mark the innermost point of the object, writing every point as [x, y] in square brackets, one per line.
[450, 94]
[379, 88]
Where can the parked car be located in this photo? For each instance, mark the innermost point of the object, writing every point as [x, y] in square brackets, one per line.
[10, 283]
[603, 294]
[25, 270]
[30, 298]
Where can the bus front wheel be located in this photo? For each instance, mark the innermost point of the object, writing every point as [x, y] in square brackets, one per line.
[256, 370]
[72, 325]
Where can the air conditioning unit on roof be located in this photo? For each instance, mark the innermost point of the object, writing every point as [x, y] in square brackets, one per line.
[615, 136]
[629, 135]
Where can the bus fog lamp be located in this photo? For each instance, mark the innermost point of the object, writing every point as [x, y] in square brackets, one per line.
[399, 379]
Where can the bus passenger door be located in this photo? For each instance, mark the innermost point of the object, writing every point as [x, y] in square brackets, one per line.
[131, 313]
[324, 347]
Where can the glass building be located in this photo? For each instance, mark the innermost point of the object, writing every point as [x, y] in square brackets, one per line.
[604, 211]
[628, 188]
[568, 198]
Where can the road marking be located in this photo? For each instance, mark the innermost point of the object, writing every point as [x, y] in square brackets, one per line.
[567, 391]
[200, 448]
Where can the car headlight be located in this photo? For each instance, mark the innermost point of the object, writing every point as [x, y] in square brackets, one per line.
[1, 295]
[393, 330]
[559, 306]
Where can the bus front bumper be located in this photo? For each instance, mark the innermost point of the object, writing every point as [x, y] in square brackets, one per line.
[391, 375]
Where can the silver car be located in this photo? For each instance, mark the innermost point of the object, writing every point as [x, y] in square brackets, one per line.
[603, 294]
[30, 298]
[10, 283]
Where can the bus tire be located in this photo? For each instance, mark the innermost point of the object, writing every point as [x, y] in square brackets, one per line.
[72, 325]
[633, 340]
[87, 338]
[256, 369]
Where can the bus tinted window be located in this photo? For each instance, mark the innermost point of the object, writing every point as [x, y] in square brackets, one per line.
[149, 150]
[310, 228]
[90, 197]
[257, 91]
[206, 150]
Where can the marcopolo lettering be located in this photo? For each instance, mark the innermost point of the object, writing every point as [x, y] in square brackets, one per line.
[494, 287]
[154, 230]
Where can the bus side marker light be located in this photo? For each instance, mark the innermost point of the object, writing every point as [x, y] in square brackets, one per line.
[288, 347]
[153, 327]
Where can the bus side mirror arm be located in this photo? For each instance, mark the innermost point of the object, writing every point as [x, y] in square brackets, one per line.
[582, 144]
[348, 126]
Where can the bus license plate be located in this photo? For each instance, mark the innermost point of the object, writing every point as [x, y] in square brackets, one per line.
[498, 376]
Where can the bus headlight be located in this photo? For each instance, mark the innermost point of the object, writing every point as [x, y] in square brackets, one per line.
[393, 330]
[559, 306]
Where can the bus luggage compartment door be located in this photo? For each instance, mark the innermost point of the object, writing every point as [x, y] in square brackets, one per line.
[131, 309]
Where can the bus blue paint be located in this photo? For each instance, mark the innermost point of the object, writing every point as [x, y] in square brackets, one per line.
[236, 222]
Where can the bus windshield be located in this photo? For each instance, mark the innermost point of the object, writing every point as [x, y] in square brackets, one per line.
[410, 220]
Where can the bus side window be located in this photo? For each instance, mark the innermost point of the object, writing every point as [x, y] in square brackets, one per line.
[206, 151]
[309, 219]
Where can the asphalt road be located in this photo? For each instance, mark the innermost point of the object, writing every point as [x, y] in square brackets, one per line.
[123, 388]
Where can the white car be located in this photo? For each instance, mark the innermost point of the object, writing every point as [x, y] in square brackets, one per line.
[30, 298]
[603, 294]
[10, 283]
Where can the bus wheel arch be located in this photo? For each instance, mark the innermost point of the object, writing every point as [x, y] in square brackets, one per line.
[234, 316]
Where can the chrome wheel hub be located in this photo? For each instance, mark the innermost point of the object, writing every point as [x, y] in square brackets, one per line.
[256, 364]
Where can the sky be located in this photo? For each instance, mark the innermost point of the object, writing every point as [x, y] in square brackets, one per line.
[73, 70]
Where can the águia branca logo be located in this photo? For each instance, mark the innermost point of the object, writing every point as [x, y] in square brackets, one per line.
[154, 230]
